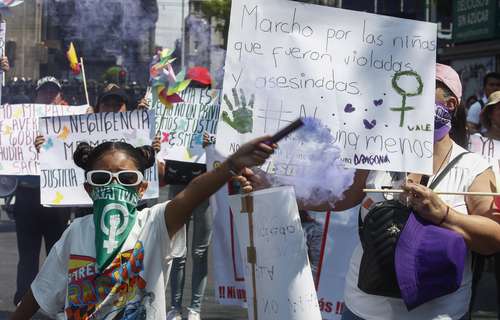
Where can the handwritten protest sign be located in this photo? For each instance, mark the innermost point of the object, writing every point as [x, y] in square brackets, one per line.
[18, 130]
[61, 180]
[280, 255]
[182, 127]
[490, 149]
[370, 78]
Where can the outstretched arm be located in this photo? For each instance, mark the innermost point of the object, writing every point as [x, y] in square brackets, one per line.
[253, 153]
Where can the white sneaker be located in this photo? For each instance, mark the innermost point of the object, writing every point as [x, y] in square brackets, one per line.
[174, 315]
[193, 315]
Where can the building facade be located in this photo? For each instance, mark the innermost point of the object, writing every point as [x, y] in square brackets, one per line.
[24, 45]
[475, 48]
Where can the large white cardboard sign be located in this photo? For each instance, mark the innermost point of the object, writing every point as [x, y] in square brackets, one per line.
[18, 130]
[284, 287]
[61, 180]
[370, 78]
[182, 126]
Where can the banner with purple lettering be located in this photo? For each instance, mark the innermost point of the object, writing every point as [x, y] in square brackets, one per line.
[369, 78]
[61, 181]
[18, 130]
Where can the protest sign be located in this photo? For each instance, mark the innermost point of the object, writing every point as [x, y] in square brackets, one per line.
[61, 180]
[182, 127]
[370, 78]
[274, 249]
[489, 148]
[18, 130]
[228, 267]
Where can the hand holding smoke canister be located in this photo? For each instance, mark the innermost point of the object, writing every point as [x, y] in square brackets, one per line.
[235, 169]
[285, 131]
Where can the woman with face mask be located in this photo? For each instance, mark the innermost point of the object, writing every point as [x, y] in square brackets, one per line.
[114, 264]
[472, 220]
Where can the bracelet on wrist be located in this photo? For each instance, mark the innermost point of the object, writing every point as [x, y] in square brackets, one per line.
[445, 216]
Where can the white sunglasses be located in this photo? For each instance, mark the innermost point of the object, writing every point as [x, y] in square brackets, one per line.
[128, 178]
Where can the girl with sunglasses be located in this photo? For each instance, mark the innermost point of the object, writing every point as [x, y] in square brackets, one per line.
[114, 264]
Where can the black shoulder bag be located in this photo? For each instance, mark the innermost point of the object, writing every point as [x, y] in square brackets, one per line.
[379, 234]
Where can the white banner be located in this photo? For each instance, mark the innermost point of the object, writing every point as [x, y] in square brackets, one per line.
[370, 78]
[61, 181]
[228, 267]
[18, 130]
[282, 278]
[182, 127]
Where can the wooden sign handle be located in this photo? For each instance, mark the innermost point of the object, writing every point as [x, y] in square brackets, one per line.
[247, 207]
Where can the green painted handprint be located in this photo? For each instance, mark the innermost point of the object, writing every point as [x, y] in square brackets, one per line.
[242, 113]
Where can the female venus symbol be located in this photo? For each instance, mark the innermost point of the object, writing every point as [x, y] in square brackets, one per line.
[404, 94]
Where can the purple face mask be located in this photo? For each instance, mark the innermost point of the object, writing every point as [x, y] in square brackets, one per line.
[442, 121]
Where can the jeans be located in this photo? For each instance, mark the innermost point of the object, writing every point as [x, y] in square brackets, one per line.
[32, 223]
[202, 232]
[313, 231]
[348, 315]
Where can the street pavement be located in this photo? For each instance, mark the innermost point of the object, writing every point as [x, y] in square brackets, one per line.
[485, 308]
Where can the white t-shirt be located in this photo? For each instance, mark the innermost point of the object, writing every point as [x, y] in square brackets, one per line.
[475, 111]
[132, 286]
[452, 306]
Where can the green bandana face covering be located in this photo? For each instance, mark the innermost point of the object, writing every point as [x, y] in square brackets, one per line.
[115, 210]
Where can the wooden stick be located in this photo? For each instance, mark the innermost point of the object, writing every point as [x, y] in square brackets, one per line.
[481, 194]
[84, 81]
[247, 206]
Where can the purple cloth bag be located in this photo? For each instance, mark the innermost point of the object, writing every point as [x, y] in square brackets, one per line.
[429, 261]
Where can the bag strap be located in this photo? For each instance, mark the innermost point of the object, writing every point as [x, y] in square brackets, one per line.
[447, 169]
